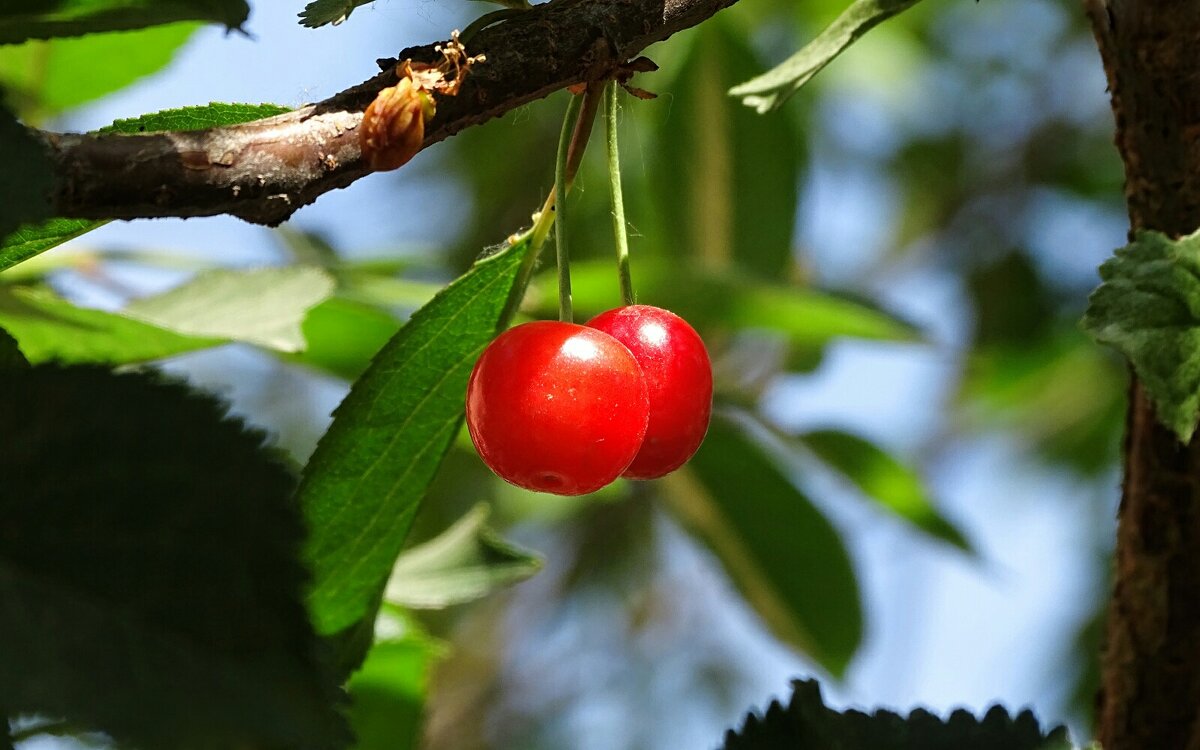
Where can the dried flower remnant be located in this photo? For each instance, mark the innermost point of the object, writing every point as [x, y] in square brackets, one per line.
[393, 126]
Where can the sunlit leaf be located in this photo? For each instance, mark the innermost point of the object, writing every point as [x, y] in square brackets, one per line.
[264, 306]
[42, 19]
[364, 483]
[771, 89]
[806, 722]
[343, 336]
[467, 561]
[786, 558]
[894, 486]
[149, 559]
[1148, 308]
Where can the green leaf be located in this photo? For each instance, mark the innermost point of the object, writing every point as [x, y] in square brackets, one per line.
[771, 89]
[1148, 308]
[42, 79]
[321, 12]
[387, 695]
[725, 180]
[264, 306]
[806, 722]
[43, 19]
[882, 478]
[788, 561]
[10, 353]
[29, 240]
[466, 562]
[148, 559]
[810, 318]
[48, 328]
[362, 487]
[27, 177]
[344, 335]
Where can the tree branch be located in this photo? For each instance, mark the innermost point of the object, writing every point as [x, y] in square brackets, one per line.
[265, 170]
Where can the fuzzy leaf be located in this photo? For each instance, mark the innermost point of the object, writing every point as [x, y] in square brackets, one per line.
[786, 558]
[1148, 308]
[364, 483]
[807, 723]
[264, 306]
[43, 19]
[148, 559]
[467, 561]
[32, 239]
[771, 89]
[321, 12]
[896, 487]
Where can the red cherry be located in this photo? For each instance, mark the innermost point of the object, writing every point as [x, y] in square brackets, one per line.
[678, 376]
[557, 407]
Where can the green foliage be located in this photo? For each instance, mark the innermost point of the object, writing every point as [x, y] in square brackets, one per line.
[263, 306]
[1148, 308]
[10, 354]
[896, 487]
[467, 561]
[806, 722]
[44, 78]
[342, 336]
[321, 12]
[42, 19]
[49, 328]
[771, 89]
[32, 239]
[788, 561]
[148, 559]
[365, 481]
[27, 177]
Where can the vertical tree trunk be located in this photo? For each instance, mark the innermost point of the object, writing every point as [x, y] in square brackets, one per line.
[1150, 683]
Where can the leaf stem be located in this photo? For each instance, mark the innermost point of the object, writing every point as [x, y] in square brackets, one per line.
[620, 233]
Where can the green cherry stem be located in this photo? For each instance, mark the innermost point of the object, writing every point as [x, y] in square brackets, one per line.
[560, 204]
[620, 231]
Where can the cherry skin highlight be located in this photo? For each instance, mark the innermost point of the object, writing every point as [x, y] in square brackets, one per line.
[557, 407]
[679, 381]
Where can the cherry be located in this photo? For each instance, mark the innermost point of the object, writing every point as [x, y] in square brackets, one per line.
[557, 407]
[678, 376]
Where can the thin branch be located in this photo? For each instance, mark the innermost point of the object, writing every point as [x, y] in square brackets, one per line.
[264, 171]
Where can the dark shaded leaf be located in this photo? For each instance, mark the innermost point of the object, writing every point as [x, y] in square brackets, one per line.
[43, 19]
[894, 486]
[27, 177]
[10, 354]
[1148, 308]
[366, 479]
[785, 557]
[148, 559]
[467, 561]
[771, 89]
[807, 723]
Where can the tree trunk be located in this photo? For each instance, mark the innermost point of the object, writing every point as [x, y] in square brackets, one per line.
[1150, 684]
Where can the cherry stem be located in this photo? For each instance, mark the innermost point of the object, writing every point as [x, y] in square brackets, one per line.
[620, 231]
[570, 124]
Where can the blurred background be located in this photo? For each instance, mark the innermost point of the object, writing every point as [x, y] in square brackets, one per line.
[910, 488]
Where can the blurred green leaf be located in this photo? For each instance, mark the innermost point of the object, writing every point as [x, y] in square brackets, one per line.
[788, 561]
[43, 79]
[263, 306]
[725, 181]
[710, 300]
[42, 19]
[321, 12]
[29, 240]
[771, 89]
[466, 562]
[48, 328]
[806, 722]
[343, 336]
[27, 177]
[148, 558]
[387, 695]
[1148, 308]
[366, 479]
[896, 487]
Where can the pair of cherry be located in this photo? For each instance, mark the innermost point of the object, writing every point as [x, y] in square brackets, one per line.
[564, 408]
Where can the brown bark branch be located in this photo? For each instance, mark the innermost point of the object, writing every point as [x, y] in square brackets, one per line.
[264, 171]
[1150, 683]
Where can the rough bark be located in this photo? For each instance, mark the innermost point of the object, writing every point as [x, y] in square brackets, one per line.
[1150, 684]
[264, 171]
